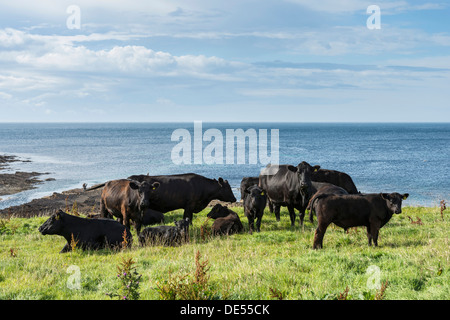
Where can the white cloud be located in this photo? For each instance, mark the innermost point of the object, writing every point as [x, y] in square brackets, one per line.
[355, 6]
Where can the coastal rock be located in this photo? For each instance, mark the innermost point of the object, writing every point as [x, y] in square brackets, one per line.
[11, 183]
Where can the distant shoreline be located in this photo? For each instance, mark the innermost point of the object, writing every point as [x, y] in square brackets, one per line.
[12, 183]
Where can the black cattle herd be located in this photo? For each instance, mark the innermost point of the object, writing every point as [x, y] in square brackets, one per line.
[143, 200]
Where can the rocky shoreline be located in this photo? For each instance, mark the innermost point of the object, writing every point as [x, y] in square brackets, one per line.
[11, 183]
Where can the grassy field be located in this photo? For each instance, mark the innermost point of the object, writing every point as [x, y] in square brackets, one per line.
[413, 259]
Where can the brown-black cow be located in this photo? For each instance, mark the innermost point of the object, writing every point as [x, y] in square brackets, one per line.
[328, 189]
[127, 200]
[219, 211]
[227, 225]
[370, 210]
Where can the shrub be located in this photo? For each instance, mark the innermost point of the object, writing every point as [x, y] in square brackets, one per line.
[189, 287]
[129, 280]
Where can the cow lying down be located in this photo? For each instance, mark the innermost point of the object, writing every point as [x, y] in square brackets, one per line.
[166, 235]
[226, 221]
[346, 211]
[87, 233]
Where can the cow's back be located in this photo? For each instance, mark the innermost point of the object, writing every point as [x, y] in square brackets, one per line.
[175, 191]
[349, 210]
[117, 192]
[281, 187]
[337, 178]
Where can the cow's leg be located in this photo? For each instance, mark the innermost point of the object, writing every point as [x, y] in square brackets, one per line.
[276, 209]
[103, 211]
[258, 223]
[301, 215]
[292, 216]
[125, 219]
[250, 223]
[319, 234]
[270, 205]
[188, 213]
[374, 229]
[66, 248]
[138, 225]
[369, 236]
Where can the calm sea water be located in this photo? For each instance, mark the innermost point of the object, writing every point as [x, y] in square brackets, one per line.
[413, 158]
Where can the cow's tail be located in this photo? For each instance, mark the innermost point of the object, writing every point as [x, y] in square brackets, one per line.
[96, 187]
[311, 207]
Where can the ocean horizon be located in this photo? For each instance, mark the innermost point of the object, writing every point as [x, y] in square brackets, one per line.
[380, 157]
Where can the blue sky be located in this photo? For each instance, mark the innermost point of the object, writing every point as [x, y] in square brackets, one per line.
[247, 60]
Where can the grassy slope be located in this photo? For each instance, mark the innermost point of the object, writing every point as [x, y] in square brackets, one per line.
[414, 259]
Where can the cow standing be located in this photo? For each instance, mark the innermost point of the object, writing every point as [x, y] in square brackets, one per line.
[289, 186]
[328, 189]
[338, 178]
[293, 187]
[190, 191]
[254, 204]
[346, 211]
[127, 200]
[247, 182]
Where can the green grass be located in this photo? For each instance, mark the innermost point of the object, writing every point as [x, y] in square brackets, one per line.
[413, 258]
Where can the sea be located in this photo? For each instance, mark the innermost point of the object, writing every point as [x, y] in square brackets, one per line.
[409, 158]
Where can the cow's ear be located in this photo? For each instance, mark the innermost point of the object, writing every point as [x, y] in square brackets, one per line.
[292, 168]
[405, 196]
[385, 196]
[262, 192]
[220, 181]
[316, 168]
[58, 215]
[134, 185]
[155, 185]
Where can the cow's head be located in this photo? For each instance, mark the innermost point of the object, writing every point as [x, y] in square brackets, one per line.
[218, 211]
[225, 193]
[304, 171]
[183, 227]
[182, 224]
[146, 190]
[394, 201]
[54, 224]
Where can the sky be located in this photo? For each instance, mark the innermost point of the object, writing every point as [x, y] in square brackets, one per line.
[224, 61]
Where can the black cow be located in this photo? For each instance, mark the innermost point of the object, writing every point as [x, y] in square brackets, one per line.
[166, 235]
[227, 225]
[370, 210]
[86, 233]
[127, 200]
[152, 217]
[289, 186]
[247, 182]
[254, 204]
[328, 189]
[340, 179]
[190, 191]
[219, 211]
